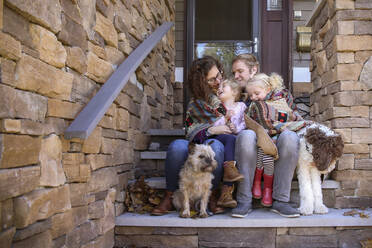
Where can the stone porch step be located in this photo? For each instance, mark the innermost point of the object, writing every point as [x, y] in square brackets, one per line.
[157, 155]
[260, 229]
[166, 132]
[161, 138]
[258, 218]
[159, 183]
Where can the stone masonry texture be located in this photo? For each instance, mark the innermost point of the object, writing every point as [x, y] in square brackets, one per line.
[54, 57]
[341, 73]
[281, 237]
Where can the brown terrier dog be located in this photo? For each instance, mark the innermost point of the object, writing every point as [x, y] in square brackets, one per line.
[195, 180]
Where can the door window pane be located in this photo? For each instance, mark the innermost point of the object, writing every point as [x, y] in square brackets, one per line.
[223, 29]
[222, 20]
[274, 5]
[225, 51]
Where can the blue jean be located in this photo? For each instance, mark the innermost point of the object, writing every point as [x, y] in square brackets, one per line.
[246, 156]
[228, 140]
[176, 156]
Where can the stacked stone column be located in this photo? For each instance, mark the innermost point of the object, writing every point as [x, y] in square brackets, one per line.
[341, 72]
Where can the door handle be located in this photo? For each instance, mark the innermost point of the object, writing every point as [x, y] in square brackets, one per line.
[255, 47]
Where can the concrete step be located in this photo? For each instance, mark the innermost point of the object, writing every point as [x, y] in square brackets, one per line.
[261, 228]
[156, 155]
[327, 184]
[161, 138]
[166, 132]
[258, 218]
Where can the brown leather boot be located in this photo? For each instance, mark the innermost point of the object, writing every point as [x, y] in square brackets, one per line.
[226, 199]
[230, 172]
[165, 206]
[267, 199]
[212, 204]
[256, 188]
[263, 139]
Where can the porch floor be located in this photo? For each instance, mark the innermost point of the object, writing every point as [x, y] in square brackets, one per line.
[257, 218]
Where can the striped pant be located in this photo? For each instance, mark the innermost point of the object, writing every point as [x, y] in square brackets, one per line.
[265, 161]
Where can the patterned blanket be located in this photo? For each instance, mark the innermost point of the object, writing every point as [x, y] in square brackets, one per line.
[201, 115]
[274, 118]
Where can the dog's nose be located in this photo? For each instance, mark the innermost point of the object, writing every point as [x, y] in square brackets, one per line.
[208, 160]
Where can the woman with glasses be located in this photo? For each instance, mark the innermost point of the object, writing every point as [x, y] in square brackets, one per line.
[204, 109]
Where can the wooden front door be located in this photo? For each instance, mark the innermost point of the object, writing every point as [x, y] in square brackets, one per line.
[222, 28]
[275, 38]
[226, 28]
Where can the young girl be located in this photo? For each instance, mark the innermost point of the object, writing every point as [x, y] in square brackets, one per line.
[272, 107]
[229, 94]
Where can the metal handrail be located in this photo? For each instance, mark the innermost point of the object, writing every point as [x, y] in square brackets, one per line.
[88, 118]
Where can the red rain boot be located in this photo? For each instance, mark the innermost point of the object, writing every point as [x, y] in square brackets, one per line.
[256, 188]
[267, 199]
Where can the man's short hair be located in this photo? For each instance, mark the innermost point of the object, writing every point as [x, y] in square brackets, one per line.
[249, 59]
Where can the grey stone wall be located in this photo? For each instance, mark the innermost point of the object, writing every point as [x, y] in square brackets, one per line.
[54, 56]
[283, 237]
[342, 97]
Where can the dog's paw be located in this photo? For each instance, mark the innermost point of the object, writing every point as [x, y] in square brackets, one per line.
[320, 209]
[306, 210]
[185, 214]
[203, 215]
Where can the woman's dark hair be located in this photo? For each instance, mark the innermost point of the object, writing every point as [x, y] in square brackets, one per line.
[197, 77]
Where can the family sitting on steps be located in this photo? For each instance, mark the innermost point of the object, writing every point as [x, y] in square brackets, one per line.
[247, 147]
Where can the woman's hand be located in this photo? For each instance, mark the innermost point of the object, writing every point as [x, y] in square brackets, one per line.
[223, 129]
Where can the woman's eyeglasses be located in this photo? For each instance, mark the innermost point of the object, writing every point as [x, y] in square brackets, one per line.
[214, 79]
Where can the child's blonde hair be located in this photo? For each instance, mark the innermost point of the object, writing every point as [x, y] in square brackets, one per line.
[273, 82]
[235, 87]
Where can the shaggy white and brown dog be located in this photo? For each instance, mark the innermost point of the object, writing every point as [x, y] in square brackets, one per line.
[320, 147]
[195, 180]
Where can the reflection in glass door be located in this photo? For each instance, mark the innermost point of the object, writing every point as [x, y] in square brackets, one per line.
[224, 29]
[225, 51]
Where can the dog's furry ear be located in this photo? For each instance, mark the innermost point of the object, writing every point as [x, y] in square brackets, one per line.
[321, 148]
[338, 145]
[314, 136]
[325, 148]
[211, 142]
[191, 146]
[322, 159]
